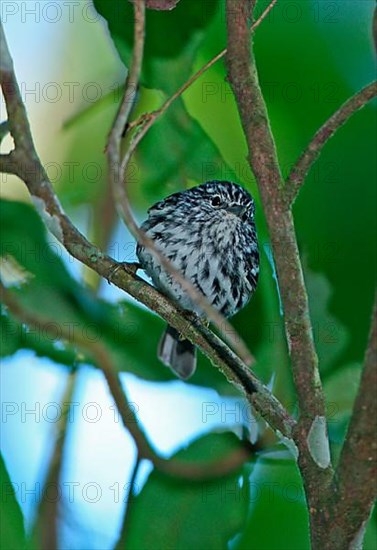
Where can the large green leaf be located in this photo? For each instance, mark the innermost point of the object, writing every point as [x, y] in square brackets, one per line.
[330, 335]
[176, 152]
[172, 38]
[340, 391]
[370, 539]
[39, 278]
[12, 532]
[182, 514]
[278, 517]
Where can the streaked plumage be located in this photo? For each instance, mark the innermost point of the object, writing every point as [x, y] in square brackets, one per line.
[208, 232]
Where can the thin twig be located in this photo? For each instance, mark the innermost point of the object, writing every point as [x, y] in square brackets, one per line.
[45, 533]
[151, 118]
[171, 467]
[146, 120]
[300, 170]
[117, 170]
[132, 82]
[264, 163]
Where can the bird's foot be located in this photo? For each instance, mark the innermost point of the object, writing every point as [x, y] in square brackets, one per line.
[130, 267]
[206, 322]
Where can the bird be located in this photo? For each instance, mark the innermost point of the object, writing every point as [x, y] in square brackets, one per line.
[208, 233]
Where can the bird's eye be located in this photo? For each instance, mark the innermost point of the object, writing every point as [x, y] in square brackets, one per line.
[216, 201]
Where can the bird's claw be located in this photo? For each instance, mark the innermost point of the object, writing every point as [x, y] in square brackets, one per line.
[130, 267]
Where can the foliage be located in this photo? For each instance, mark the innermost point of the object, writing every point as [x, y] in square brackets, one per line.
[221, 504]
[200, 138]
[12, 532]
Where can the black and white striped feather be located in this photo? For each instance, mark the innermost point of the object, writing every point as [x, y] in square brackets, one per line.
[208, 233]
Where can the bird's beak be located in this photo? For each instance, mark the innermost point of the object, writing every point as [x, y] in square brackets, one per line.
[237, 209]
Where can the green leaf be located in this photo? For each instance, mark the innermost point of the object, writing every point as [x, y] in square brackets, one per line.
[172, 38]
[330, 335]
[83, 172]
[340, 391]
[12, 532]
[278, 517]
[175, 152]
[177, 514]
[370, 539]
[40, 279]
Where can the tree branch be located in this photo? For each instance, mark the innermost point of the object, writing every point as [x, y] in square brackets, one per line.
[264, 163]
[300, 170]
[28, 167]
[171, 467]
[311, 431]
[355, 483]
[151, 118]
[7, 164]
[118, 166]
[117, 170]
[45, 531]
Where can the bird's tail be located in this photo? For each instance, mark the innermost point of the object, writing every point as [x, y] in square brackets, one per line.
[177, 353]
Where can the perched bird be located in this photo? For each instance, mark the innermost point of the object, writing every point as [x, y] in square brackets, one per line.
[208, 233]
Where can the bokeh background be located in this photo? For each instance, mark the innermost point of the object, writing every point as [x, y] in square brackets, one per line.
[69, 59]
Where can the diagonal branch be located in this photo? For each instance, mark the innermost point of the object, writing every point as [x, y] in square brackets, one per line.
[117, 170]
[309, 156]
[151, 118]
[29, 168]
[158, 112]
[355, 484]
[171, 467]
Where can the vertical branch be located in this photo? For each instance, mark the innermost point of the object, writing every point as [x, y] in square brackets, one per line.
[132, 82]
[45, 533]
[355, 483]
[311, 431]
[243, 77]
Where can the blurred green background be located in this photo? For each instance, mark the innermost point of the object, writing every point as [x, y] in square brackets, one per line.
[312, 56]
